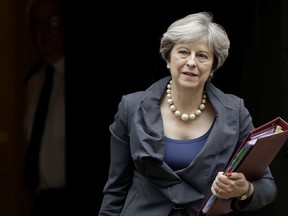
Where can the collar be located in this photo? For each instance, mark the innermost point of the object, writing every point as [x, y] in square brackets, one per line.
[59, 65]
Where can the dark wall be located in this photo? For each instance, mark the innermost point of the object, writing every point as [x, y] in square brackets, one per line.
[113, 51]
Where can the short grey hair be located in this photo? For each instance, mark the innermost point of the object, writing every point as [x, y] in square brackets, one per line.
[193, 28]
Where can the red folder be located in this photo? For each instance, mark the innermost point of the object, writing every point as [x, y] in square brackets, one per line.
[253, 156]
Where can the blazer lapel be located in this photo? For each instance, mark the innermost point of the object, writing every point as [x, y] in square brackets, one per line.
[218, 148]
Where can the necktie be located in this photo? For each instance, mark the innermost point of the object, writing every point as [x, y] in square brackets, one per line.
[31, 170]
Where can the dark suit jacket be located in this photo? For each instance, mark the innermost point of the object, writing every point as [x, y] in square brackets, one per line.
[140, 183]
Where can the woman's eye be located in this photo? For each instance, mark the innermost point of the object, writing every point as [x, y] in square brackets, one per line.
[202, 57]
[183, 53]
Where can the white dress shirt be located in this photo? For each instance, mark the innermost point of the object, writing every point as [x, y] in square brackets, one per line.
[52, 150]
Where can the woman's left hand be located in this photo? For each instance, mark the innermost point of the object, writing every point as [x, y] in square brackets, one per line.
[231, 185]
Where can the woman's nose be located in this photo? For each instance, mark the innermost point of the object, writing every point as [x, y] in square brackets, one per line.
[191, 61]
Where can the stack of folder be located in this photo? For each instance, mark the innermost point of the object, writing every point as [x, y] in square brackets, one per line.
[253, 156]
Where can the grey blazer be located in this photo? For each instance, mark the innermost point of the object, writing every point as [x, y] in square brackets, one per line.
[140, 183]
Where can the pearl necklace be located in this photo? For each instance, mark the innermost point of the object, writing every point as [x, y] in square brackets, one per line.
[185, 116]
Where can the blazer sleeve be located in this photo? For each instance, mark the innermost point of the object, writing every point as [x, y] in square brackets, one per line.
[121, 164]
[265, 187]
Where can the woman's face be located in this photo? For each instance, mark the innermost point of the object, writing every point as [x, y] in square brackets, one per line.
[191, 63]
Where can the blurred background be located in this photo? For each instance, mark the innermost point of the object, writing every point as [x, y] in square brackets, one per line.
[113, 49]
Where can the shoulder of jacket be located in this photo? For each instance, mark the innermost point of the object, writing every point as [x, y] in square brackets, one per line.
[226, 99]
[133, 98]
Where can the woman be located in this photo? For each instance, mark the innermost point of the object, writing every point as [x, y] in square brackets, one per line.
[170, 143]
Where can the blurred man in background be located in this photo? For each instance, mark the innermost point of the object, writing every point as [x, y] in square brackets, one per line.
[45, 120]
